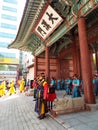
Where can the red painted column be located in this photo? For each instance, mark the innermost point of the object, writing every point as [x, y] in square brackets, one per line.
[85, 62]
[47, 63]
[96, 56]
[74, 55]
[35, 66]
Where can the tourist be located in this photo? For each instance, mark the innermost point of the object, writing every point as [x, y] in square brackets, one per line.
[51, 94]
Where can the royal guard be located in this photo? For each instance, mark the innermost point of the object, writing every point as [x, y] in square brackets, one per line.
[22, 85]
[76, 87]
[12, 88]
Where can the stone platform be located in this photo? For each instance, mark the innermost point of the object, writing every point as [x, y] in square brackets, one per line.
[68, 105]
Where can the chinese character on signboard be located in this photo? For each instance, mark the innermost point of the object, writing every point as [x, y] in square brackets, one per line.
[48, 23]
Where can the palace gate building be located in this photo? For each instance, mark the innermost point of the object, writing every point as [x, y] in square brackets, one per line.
[63, 37]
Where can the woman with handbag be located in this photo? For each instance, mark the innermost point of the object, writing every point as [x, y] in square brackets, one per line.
[51, 94]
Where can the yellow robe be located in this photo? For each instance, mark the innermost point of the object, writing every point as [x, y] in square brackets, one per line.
[12, 89]
[22, 88]
[3, 88]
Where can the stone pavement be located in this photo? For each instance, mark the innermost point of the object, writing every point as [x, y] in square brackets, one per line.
[17, 113]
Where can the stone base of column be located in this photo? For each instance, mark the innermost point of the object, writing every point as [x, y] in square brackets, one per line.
[91, 107]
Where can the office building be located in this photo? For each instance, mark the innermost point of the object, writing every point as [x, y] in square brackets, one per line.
[10, 17]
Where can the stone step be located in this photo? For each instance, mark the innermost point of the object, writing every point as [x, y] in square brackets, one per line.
[92, 107]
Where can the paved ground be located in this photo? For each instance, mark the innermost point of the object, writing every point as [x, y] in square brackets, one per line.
[17, 113]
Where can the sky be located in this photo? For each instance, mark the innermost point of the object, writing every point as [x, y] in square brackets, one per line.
[21, 6]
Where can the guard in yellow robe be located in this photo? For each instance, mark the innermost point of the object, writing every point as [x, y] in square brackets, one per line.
[12, 88]
[22, 86]
[3, 88]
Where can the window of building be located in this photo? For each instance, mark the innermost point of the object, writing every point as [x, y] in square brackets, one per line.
[7, 35]
[7, 55]
[9, 9]
[8, 26]
[13, 18]
[11, 1]
[3, 44]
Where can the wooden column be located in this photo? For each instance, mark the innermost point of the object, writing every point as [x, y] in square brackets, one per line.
[85, 62]
[47, 63]
[74, 55]
[96, 56]
[35, 66]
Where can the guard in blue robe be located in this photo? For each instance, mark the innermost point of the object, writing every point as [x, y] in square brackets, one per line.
[76, 85]
[95, 82]
[62, 84]
[58, 84]
[68, 86]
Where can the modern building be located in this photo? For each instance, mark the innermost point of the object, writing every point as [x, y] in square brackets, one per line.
[28, 71]
[29, 66]
[10, 16]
